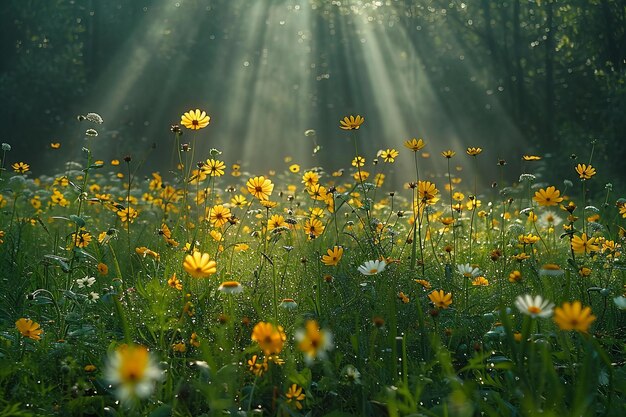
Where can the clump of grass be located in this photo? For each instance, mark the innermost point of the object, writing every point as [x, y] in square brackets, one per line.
[305, 293]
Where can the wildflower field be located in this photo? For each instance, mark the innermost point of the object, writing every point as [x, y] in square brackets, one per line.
[207, 290]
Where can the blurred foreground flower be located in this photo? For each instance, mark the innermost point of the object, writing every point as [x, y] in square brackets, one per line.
[133, 371]
[313, 341]
[571, 316]
[29, 328]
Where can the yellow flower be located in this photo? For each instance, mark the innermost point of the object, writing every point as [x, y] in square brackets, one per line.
[571, 316]
[550, 270]
[583, 244]
[133, 370]
[103, 269]
[440, 299]
[389, 155]
[241, 247]
[427, 192]
[351, 123]
[448, 154]
[473, 151]
[358, 161]
[236, 170]
[333, 256]
[20, 167]
[260, 187]
[213, 168]
[446, 221]
[294, 396]
[219, 215]
[361, 176]
[199, 265]
[195, 119]
[128, 214]
[55, 145]
[414, 144]
[313, 341]
[317, 192]
[313, 227]
[528, 239]
[179, 347]
[167, 235]
[515, 276]
[425, 284]
[402, 297]
[585, 172]
[310, 178]
[230, 287]
[480, 282]
[238, 201]
[548, 197]
[258, 368]
[458, 196]
[270, 338]
[143, 251]
[81, 239]
[295, 168]
[29, 328]
[174, 282]
[531, 158]
[276, 221]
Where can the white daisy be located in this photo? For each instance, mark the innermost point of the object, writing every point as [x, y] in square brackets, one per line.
[468, 271]
[534, 306]
[85, 282]
[372, 267]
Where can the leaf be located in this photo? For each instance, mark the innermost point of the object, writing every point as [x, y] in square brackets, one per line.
[163, 411]
[41, 300]
[80, 222]
[62, 262]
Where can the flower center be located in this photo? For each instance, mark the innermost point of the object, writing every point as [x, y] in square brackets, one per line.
[534, 310]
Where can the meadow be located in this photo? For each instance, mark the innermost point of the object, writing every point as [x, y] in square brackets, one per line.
[208, 290]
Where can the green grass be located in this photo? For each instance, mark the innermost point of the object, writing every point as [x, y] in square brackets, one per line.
[392, 354]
